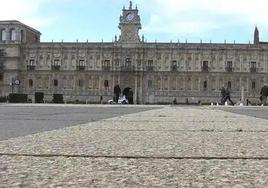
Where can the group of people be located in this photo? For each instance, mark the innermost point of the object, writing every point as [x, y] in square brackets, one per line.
[225, 93]
[127, 92]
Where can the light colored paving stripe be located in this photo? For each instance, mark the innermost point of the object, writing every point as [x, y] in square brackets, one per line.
[172, 139]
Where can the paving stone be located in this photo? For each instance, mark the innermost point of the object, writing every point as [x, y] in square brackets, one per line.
[167, 147]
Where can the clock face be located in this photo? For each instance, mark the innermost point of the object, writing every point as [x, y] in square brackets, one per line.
[130, 16]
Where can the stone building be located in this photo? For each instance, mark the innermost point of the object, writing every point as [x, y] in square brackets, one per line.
[156, 72]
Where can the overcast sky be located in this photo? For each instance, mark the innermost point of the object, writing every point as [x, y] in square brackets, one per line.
[162, 20]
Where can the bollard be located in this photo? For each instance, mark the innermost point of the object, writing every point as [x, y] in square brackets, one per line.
[217, 104]
[226, 103]
[211, 104]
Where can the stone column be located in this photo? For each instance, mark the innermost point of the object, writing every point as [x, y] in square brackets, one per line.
[135, 97]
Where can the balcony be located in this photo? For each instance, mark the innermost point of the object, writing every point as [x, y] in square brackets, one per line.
[127, 68]
[174, 68]
[253, 69]
[55, 67]
[150, 68]
[80, 68]
[229, 69]
[106, 68]
[31, 67]
[205, 69]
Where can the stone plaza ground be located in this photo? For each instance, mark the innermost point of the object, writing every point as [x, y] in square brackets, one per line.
[138, 146]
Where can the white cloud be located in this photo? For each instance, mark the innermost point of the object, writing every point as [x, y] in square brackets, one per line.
[26, 11]
[197, 17]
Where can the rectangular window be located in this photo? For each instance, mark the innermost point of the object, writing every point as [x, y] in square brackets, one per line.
[205, 66]
[229, 67]
[96, 82]
[253, 66]
[253, 85]
[128, 62]
[31, 64]
[150, 65]
[106, 65]
[174, 65]
[81, 65]
[106, 83]
[57, 62]
[127, 66]
[55, 83]
[205, 85]
[56, 65]
[30, 83]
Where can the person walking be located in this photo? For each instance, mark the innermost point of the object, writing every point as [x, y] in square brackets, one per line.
[223, 94]
[264, 94]
[228, 96]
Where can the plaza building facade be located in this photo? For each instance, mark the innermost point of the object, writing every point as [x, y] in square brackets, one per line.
[156, 72]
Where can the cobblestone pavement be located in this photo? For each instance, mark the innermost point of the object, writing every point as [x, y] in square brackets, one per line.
[167, 147]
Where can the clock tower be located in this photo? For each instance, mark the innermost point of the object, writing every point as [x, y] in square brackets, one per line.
[130, 25]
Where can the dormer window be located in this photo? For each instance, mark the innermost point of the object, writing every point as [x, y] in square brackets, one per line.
[12, 34]
[3, 35]
[21, 35]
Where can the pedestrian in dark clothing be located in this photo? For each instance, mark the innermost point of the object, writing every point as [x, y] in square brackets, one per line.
[264, 94]
[130, 97]
[117, 92]
[223, 94]
[228, 96]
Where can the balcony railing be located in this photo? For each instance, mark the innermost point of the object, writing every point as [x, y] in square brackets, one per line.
[204, 69]
[229, 69]
[30, 67]
[174, 68]
[80, 68]
[150, 68]
[55, 67]
[106, 68]
[253, 69]
[127, 68]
